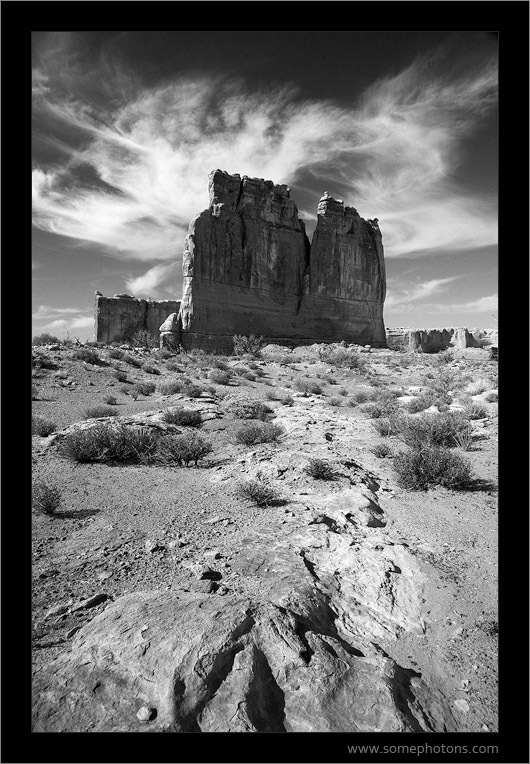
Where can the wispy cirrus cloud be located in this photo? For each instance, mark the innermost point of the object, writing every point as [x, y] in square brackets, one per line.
[406, 298]
[62, 320]
[135, 164]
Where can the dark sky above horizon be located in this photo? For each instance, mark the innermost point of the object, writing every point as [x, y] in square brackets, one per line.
[127, 125]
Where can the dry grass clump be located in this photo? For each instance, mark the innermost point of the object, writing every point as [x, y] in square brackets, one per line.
[182, 450]
[381, 450]
[219, 376]
[144, 339]
[433, 429]
[88, 356]
[45, 497]
[319, 469]
[307, 386]
[144, 388]
[260, 491]
[478, 386]
[420, 468]
[132, 360]
[492, 396]
[182, 416]
[335, 401]
[258, 432]
[110, 400]
[390, 425]
[95, 412]
[342, 357]
[422, 402]
[115, 353]
[41, 426]
[173, 386]
[475, 410]
[121, 376]
[45, 339]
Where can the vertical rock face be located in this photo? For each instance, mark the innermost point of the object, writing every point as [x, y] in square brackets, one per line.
[347, 283]
[248, 268]
[118, 318]
[244, 263]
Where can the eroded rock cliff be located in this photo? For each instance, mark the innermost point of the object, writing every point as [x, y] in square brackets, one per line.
[249, 268]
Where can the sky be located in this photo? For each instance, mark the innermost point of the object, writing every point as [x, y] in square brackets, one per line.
[126, 127]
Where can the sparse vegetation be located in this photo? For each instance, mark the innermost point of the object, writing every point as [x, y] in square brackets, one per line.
[250, 345]
[420, 468]
[182, 450]
[149, 369]
[144, 388]
[381, 450]
[121, 376]
[260, 491]
[46, 498]
[105, 442]
[110, 400]
[173, 386]
[258, 432]
[343, 357]
[144, 339]
[88, 355]
[432, 429]
[320, 469]
[307, 386]
[492, 396]
[335, 402]
[475, 411]
[115, 353]
[95, 412]
[45, 339]
[219, 376]
[182, 416]
[41, 426]
[132, 361]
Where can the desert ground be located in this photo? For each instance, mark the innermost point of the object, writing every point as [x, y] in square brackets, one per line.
[303, 466]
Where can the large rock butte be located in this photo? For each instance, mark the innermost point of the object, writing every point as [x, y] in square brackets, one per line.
[249, 268]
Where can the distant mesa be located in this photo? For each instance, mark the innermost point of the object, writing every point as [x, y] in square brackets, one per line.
[249, 268]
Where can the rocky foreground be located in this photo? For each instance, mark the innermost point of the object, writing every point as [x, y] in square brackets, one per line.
[324, 611]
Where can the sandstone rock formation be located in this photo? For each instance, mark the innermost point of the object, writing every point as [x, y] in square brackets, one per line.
[430, 340]
[249, 268]
[303, 655]
[118, 318]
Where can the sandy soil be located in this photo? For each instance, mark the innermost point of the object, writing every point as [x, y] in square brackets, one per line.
[100, 539]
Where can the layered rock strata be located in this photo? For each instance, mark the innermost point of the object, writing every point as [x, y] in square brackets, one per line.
[432, 340]
[248, 268]
[118, 318]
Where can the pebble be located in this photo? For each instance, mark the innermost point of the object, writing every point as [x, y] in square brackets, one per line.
[462, 705]
[57, 610]
[146, 713]
[70, 634]
[91, 602]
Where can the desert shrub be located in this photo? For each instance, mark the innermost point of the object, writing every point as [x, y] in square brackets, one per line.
[433, 429]
[116, 353]
[390, 425]
[243, 409]
[41, 426]
[121, 376]
[319, 469]
[106, 442]
[173, 367]
[307, 386]
[361, 396]
[444, 382]
[43, 362]
[381, 450]
[441, 357]
[341, 357]
[110, 400]
[182, 416]
[260, 491]
[193, 391]
[342, 392]
[258, 432]
[164, 354]
[125, 390]
[286, 400]
[219, 363]
[144, 339]
[87, 355]
[94, 412]
[45, 339]
[219, 376]
[132, 360]
[144, 388]
[182, 450]
[134, 392]
[475, 411]
[331, 381]
[335, 402]
[373, 410]
[271, 395]
[46, 498]
[419, 468]
[478, 386]
[420, 403]
[250, 345]
[249, 375]
[173, 386]
[150, 369]
[492, 396]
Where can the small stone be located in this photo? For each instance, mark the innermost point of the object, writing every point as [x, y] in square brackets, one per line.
[462, 705]
[146, 713]
[175, 544]
[97, 599]
[153, 546]
[484, 728]
[214, 553]
[57, 610]
[70, 634]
